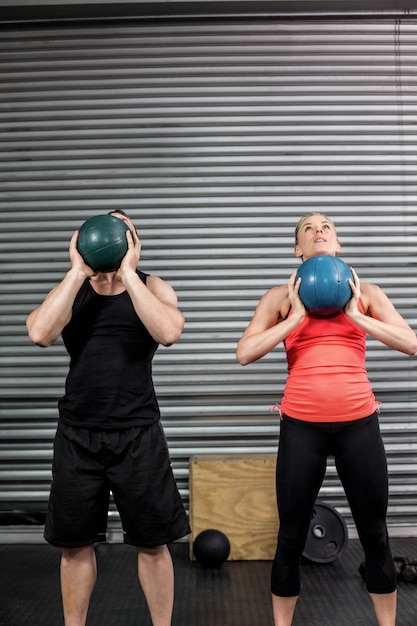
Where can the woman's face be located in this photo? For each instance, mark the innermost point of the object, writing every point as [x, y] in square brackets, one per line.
[316, 235]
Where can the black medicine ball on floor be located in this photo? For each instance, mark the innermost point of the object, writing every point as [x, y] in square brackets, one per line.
[211, 548]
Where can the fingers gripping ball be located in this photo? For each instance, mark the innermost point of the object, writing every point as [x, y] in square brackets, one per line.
[102, 242]
[324, 288]
[211, 548]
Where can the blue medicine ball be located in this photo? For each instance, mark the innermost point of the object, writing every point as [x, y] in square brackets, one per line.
[102, 242]
[324, 288]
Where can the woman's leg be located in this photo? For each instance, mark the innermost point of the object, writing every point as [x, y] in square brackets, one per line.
[283, 610]
[385, 606]
[361, 464]
[301, 466]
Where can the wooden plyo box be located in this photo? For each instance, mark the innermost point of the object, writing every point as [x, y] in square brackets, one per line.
[236, 495]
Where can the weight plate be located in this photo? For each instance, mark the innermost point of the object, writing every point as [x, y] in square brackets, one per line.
[327, 535]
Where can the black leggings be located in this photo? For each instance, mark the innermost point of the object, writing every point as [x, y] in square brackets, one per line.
[361, 465]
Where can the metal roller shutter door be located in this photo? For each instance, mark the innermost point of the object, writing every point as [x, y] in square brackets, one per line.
[216, 136]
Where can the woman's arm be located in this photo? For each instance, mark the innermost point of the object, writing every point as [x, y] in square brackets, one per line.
[270, 324]
[381, 320]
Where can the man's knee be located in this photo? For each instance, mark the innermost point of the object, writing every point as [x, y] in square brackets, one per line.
[154, 552]
[78, 553]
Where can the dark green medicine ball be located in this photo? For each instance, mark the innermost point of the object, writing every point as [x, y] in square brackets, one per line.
[102, 242]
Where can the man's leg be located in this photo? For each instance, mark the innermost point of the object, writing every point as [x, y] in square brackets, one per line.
[156, 576]
[78, 577]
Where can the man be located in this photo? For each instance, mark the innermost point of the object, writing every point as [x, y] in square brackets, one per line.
[109, 435]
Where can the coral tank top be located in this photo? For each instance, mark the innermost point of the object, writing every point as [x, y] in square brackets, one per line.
[327, 378]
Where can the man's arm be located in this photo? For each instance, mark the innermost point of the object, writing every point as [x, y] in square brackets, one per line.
[156, 302]
[47, 321]
[156, 305]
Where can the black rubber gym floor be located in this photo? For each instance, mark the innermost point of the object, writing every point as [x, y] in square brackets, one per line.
[236, 594]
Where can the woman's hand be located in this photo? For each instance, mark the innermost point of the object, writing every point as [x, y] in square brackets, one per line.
[351, 309]
[297, 307]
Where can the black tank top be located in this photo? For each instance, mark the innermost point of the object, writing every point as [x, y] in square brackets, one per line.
[109, 384]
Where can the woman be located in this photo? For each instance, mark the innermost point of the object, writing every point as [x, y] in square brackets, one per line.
[328, 408]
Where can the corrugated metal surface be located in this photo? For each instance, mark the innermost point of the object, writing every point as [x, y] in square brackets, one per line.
[216, 137]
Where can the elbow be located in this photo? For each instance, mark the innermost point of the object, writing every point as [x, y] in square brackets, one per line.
[241, 357]
[43, 344]
[168, 339]
[413, 350]
[172, 333]
[37, 337]
[409, 350]
[166, 342]
[39, 340]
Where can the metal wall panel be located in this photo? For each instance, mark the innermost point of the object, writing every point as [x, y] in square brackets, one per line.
[216, 137]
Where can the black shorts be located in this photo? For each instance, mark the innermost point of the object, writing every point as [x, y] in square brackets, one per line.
[134, 465]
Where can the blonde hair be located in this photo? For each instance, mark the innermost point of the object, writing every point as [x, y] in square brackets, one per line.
[302, 220]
